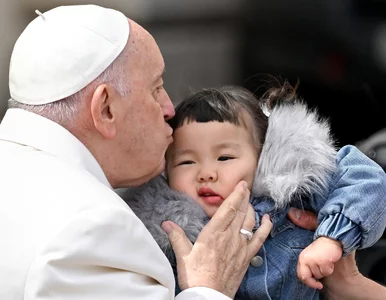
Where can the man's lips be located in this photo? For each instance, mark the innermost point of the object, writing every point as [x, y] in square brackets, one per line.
[209, 196]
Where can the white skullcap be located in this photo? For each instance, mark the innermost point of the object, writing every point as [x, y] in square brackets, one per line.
[63, 50]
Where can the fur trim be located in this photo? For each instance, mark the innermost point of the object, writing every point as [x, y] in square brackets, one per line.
[155, 202]
[297, 157]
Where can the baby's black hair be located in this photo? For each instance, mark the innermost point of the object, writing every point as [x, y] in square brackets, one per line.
[230, 103]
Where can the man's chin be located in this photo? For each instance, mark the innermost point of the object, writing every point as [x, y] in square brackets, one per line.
[159, 170]
[142, 178]
[156, 172]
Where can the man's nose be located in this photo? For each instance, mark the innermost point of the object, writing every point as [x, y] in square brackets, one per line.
[168, 108]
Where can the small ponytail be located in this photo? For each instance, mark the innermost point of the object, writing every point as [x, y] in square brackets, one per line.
[279, 92]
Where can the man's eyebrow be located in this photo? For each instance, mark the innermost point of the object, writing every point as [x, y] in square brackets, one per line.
[159, 76]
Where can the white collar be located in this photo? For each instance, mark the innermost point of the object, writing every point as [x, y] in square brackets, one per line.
[26, 128]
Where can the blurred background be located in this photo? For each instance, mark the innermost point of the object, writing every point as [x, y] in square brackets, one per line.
[336, 49]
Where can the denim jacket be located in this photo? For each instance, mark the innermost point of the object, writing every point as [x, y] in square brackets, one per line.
[353, 212]
[300, 167]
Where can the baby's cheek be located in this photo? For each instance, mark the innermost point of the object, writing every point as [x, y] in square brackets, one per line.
[179, 183]
[210, 212]
[226, 192]
[250, 184]
[175, 181]
[249, 179]
[175, 184]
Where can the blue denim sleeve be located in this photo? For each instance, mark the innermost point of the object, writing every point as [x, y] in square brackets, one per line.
[354, 210]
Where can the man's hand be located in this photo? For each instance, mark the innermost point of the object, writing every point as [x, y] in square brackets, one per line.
[221, 255]
[303, 218]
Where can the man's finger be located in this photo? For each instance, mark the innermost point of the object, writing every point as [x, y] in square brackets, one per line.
[180, 243]
[243, 213]
[260, 236]
[302, 218]
[230, 208]
[250, 219]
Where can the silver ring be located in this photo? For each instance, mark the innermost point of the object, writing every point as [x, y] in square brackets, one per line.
[248, 234]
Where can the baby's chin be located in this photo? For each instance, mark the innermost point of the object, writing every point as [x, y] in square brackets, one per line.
[210, 212]
[208, 209]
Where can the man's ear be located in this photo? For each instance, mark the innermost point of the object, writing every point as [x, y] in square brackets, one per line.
[103, 110]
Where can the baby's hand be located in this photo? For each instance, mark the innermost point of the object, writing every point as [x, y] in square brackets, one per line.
[317, 261]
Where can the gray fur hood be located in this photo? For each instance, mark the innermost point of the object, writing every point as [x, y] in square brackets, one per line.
[296, 159]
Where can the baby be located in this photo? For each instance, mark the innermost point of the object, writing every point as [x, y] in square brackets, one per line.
[222, 136]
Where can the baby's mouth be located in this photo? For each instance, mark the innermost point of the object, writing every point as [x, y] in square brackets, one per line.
[210, 197]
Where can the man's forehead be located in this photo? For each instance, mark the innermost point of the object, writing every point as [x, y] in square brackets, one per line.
[144, 54]
[142, 43]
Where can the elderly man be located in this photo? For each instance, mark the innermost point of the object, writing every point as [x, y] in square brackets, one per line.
[88, 114]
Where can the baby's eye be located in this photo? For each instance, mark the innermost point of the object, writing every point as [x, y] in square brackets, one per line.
[185, 162]
[225, 157]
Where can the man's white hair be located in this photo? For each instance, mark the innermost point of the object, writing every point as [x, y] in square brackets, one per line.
[65, 111]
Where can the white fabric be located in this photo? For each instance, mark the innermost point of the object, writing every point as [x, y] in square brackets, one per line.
[65, 49]
[64, 233]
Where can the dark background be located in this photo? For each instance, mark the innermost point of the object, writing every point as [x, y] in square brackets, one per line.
[337, 51]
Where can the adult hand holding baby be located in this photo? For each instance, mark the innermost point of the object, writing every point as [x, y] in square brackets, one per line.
[345, 282]
[220, 251]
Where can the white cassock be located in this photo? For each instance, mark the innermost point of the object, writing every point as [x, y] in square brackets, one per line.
[65, 234]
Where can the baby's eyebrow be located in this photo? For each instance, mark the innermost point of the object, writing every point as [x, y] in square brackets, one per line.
[180, 152]
[228, 145]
